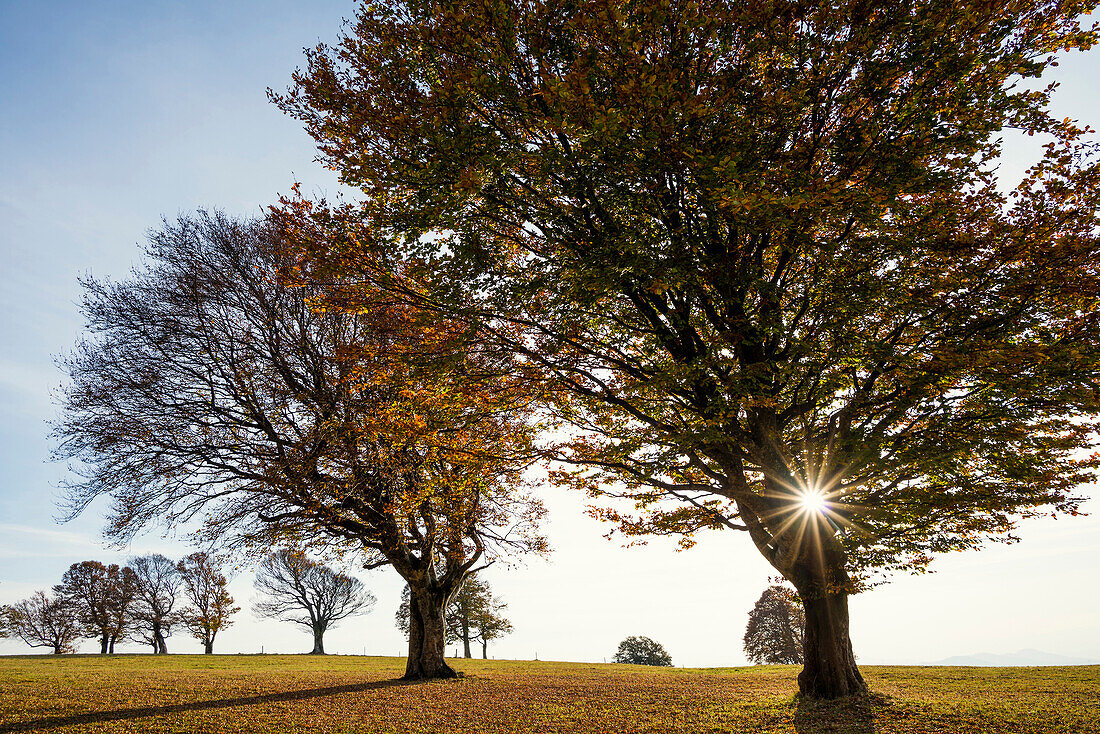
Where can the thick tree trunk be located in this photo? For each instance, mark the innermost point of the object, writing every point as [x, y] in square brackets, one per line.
[484, 650]
[318, 641]
[57, 649]
[159, 646]
[466, 638]
[104, 641]
[829, 665]
[208, 647]
[426, 637]
[112, 648]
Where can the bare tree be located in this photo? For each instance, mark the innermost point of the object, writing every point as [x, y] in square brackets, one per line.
[158, 584]
[309, 594]
[776, 627]
[211, 606]
[101, 597]
[42, 621]
[211, 388]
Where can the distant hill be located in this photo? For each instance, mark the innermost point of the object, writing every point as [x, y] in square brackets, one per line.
[1026, 658]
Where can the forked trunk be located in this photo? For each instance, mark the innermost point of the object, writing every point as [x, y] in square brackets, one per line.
[426, 637]
[318, 641]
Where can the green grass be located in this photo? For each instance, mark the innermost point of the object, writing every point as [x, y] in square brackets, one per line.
[276, 693]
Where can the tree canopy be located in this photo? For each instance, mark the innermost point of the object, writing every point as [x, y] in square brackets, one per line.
[210, 607]
[759, 251]
[42, 621]
[776, 627]
[213, 387]
[641, 651]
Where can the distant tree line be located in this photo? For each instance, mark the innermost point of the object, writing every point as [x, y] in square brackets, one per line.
[143, 601]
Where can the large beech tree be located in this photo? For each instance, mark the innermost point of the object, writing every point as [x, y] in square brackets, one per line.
[759, 249]
[210, 388]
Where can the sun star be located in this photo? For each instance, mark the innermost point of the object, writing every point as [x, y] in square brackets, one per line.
[812, 500]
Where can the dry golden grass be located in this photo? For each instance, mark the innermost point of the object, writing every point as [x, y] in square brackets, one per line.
[273, 693]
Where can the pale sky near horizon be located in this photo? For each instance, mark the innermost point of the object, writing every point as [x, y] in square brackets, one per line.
[116, 113]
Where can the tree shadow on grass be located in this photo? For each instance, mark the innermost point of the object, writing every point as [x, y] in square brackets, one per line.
[97, 717]
[851, 715]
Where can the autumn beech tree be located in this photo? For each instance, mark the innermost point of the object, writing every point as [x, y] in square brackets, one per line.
[760, 251]
[101, 597]
[309, 594]
[210, 607]
[209, 389]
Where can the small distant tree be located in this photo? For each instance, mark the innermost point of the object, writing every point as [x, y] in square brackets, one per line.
[100, 597]
[491, 624]
[776, 626]
[158, 584]
[42, 621]
[642, 651]
[309, 594]
[211, 606]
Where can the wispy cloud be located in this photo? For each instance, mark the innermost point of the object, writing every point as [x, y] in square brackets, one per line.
[27, 386]
[49, 534]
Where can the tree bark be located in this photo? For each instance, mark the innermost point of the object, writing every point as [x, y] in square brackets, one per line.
[828, 664]
[159, 646]
[104, 641]
[484, 650]
[318, 641]
[57, 649]
[208, 647]
[112, 648]
[427, 636]
[466, 637]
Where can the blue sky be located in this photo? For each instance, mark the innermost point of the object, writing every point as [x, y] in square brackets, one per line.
[114, 114]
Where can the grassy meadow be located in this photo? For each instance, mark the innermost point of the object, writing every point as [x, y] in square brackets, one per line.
[283, 693]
